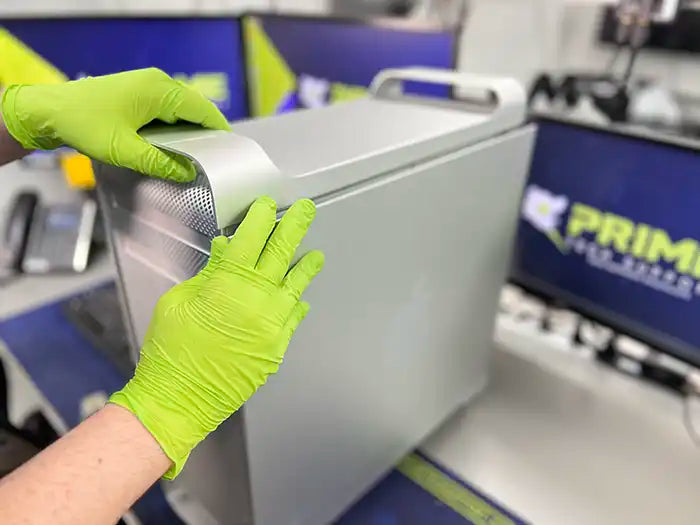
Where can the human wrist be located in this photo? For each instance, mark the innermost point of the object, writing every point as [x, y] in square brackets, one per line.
[148, 415]
[15, 113]
[13, 126]
[139, 437]
[10, 148]
[168, 403]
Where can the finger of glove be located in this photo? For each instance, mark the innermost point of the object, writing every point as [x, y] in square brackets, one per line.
[250, 237]
[286, 237]
[295, 318]
[218, 246]
[129, 150]
[303, 273]
[184, 103]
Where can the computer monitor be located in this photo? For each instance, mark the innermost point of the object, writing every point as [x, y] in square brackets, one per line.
[610, 226]
[204, 52]
[301, 62]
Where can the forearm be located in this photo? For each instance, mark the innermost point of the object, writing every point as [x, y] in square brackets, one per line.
[90, 476]
[10, 149]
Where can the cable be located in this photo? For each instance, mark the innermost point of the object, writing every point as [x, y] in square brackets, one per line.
[688, 420]
[613, 60]
[634, 52]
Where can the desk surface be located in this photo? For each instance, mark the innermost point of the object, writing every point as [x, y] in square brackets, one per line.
[26, 292]
[561, 439]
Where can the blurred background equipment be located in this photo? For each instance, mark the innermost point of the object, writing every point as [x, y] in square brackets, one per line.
[648, 79]
[672, 25]
[17, 225]
[446, 12]
[42, 239]
[358, 8]
[632, 22]
[60, 238]
[97, 315]
[19, 444]
[283, 75]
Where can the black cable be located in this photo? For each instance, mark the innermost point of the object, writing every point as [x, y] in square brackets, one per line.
[613, 60]
[4, 396]
[688, 420]
[634, 52]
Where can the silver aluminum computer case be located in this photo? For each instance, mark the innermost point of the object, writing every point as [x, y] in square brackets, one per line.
[417, 203]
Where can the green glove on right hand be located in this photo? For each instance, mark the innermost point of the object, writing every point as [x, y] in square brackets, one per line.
[214, 339]
[100, 117]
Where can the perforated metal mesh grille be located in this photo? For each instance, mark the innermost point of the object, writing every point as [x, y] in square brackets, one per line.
[189, 260]
[191, 203]
[167, 254]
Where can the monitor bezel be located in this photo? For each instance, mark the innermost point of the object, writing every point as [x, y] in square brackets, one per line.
[621, 324]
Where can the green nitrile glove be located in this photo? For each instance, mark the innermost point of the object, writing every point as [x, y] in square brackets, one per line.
[215, 338]
[100, 117]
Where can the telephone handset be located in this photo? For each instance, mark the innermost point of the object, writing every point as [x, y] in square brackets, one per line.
[42, 239]
[17, 227]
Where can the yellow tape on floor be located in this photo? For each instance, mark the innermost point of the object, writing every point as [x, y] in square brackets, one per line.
[456, 496]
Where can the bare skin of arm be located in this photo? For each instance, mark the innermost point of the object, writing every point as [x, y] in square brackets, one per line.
[10, 149]
[90, 476]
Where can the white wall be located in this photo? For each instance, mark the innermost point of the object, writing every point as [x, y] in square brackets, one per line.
[517, 38]
[522, 38]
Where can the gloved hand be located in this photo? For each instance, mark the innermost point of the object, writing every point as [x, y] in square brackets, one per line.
[100, 117]
[215, 338]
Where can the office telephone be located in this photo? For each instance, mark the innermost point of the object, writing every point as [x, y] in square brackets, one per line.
[17, 233]
[43, 239]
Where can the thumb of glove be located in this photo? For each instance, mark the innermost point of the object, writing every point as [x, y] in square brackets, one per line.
[133, 152]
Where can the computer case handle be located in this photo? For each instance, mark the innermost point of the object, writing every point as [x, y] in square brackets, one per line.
[504, 96]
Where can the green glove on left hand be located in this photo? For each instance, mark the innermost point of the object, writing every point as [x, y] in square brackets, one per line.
[214, 339]
[101, 116]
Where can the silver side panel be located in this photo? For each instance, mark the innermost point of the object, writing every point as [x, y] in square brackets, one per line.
[399, 331]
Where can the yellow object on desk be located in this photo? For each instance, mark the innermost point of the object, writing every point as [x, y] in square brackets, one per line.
[77, 170]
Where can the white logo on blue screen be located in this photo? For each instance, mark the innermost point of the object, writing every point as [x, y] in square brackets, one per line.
[616, 244]
[313, 92]
[544, 211]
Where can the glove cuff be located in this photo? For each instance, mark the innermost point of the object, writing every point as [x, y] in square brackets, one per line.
[164, 438]
[10, 116]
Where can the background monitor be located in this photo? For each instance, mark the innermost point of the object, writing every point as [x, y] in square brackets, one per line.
[204, 52]
[610, 226]
[297, 62]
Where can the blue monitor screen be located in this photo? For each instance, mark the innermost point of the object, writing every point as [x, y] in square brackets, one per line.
[297, 62]
[206, 53]
[610, 225]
